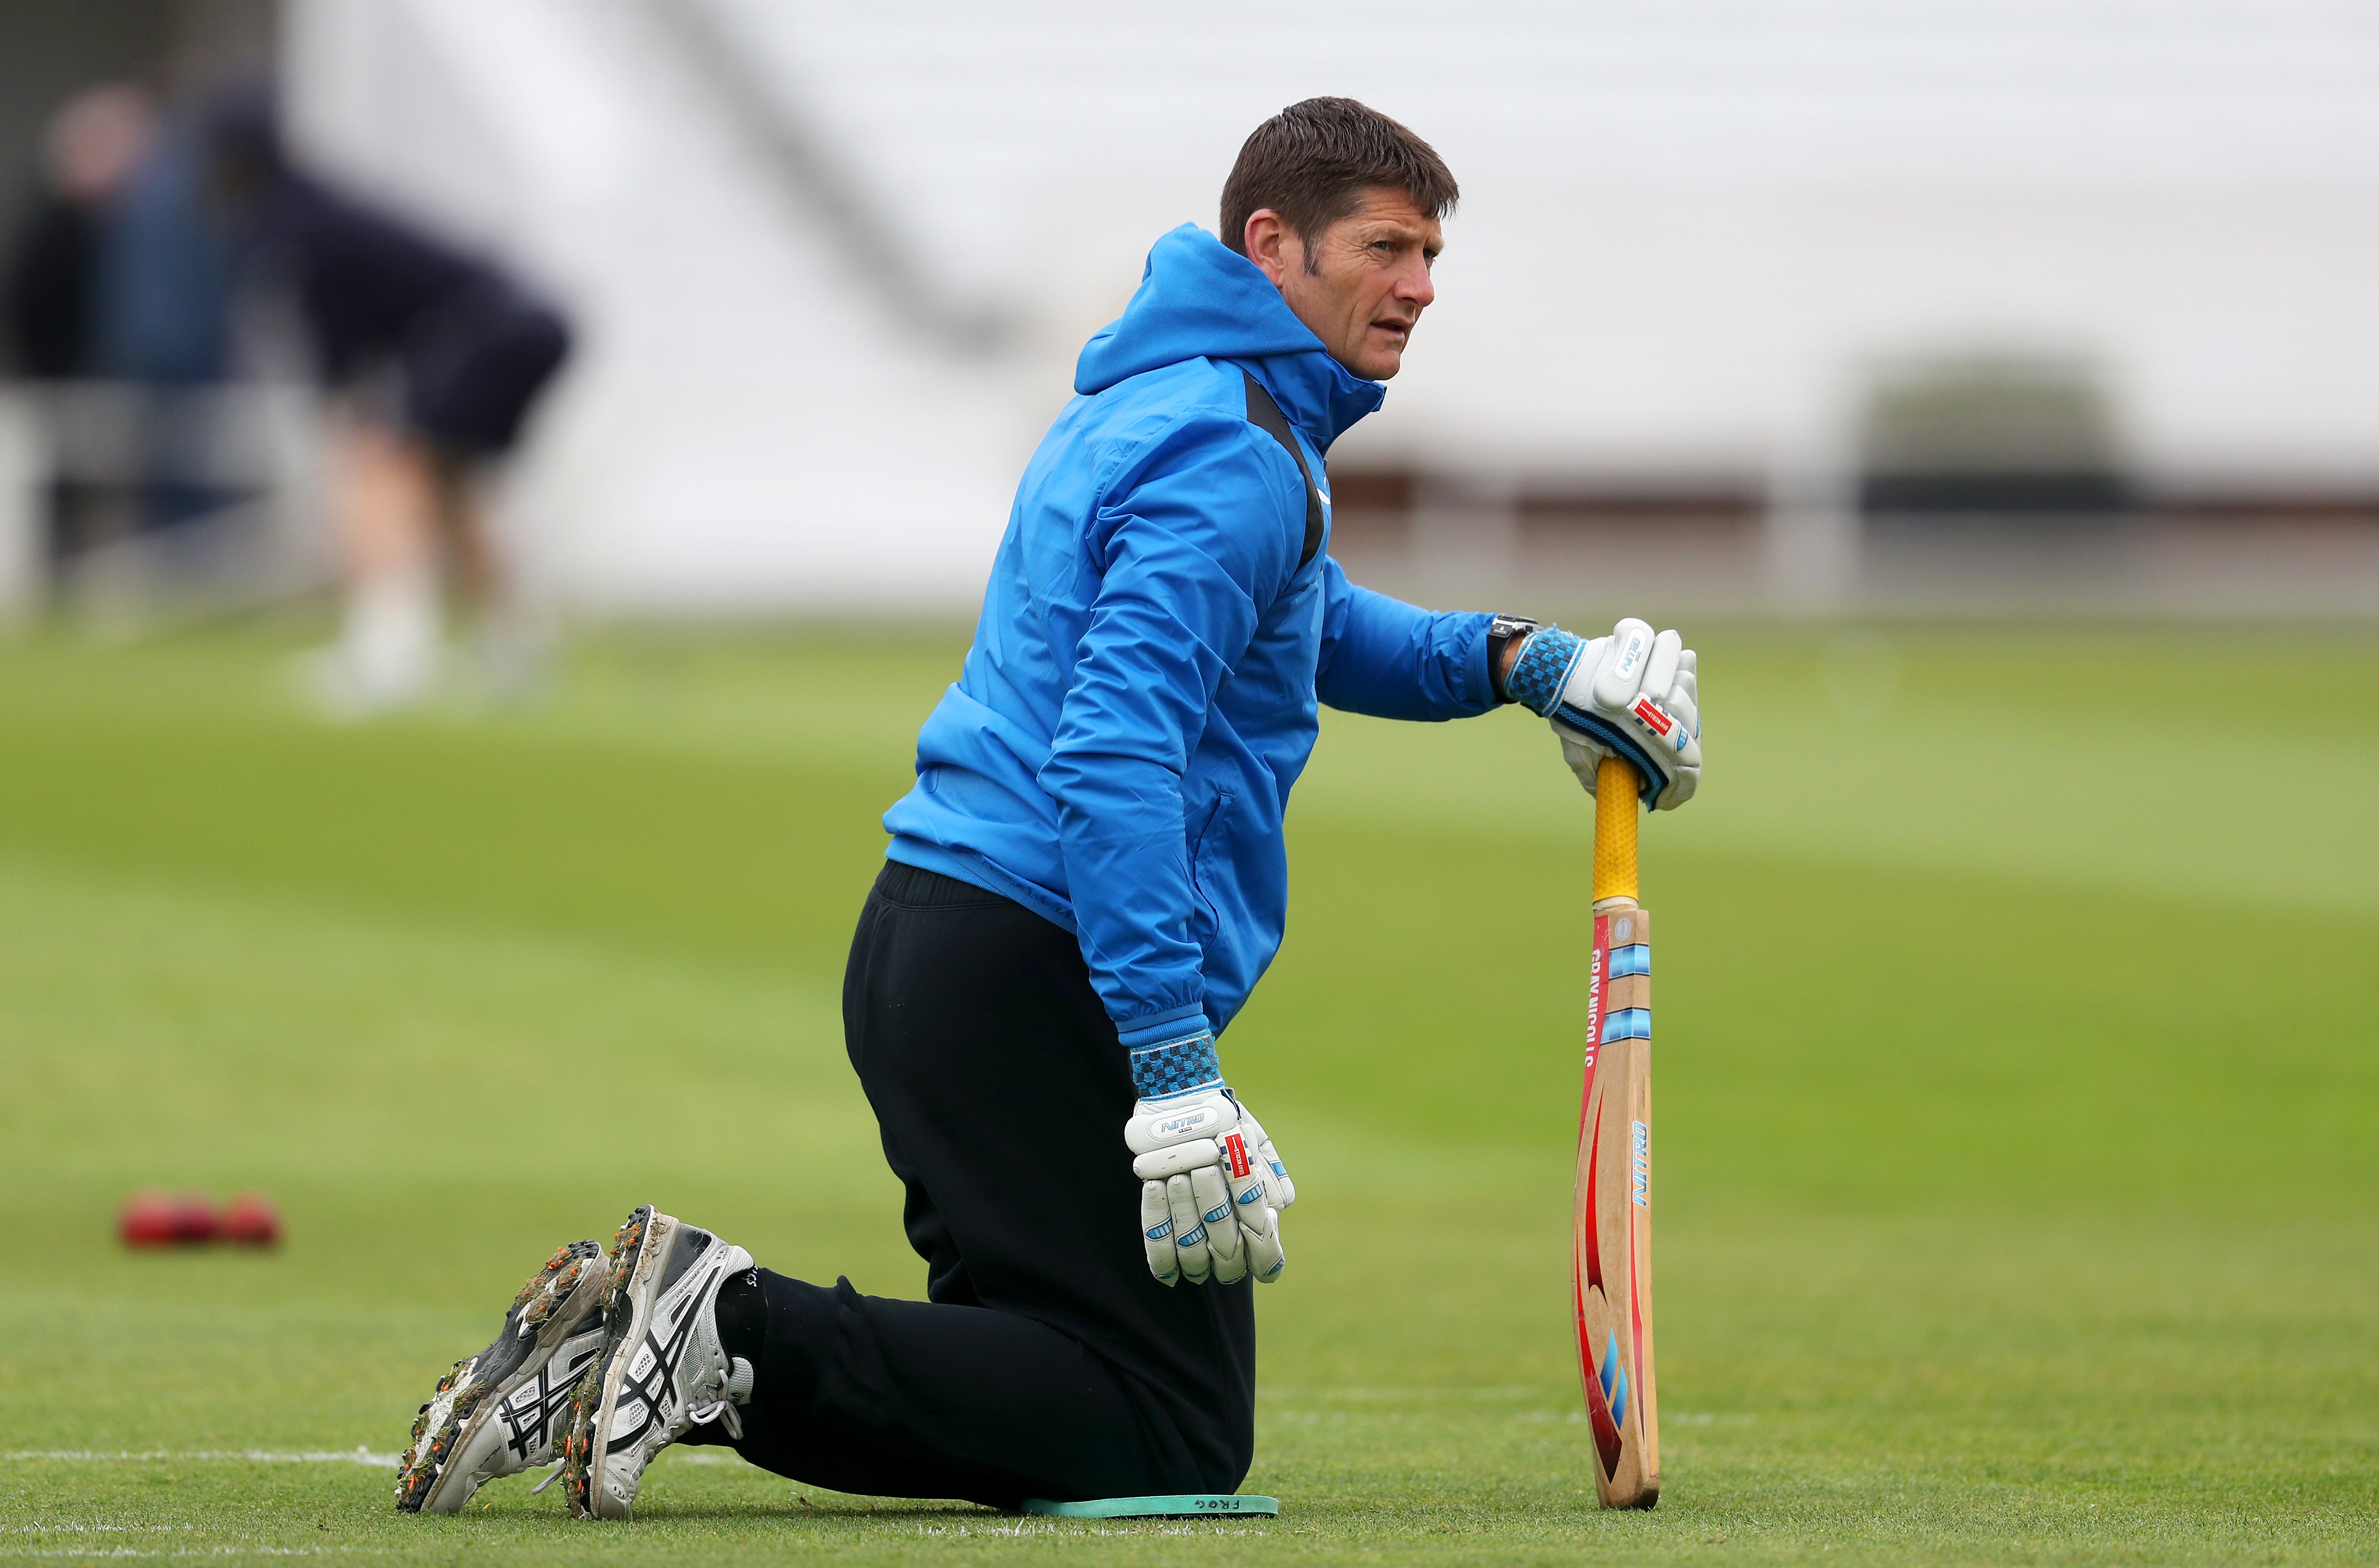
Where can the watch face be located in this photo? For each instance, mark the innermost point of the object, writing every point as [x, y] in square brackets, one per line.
[1499, 634]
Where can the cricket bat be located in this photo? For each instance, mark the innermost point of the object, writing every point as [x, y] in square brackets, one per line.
[1611, 1212]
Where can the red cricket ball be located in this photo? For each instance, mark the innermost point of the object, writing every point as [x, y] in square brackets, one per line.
[147, 1220]
[252, 1221]
[195, 1219]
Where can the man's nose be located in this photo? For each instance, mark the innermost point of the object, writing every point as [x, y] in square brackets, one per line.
[1415, 287]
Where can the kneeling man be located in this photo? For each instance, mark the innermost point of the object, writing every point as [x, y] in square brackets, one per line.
[1082, 888]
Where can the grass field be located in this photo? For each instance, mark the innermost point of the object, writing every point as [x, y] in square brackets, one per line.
[2017, 1098]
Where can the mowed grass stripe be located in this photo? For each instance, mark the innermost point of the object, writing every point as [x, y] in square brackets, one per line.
[2052, 758]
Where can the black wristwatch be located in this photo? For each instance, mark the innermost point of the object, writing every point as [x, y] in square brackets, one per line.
[1502, 633]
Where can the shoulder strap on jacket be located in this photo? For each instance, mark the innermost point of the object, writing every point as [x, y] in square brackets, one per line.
[1263, 413]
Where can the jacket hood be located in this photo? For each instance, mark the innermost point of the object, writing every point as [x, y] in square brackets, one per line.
[1197, 298]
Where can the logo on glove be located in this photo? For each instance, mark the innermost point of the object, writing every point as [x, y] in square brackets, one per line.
[1651, 717]
[1234, 1153]
[1173, 1126]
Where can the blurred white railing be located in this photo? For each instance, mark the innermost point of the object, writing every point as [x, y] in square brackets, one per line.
[245, 458]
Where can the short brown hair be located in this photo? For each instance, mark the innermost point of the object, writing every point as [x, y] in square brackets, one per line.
[1312, 161]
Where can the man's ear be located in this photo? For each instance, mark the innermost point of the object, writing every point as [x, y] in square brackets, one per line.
[1272, 245]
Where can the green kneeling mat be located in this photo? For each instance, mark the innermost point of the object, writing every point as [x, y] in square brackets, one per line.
[1186, 1505]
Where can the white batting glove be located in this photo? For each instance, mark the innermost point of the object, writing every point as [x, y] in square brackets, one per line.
[1632, 696]
[1212, 1185]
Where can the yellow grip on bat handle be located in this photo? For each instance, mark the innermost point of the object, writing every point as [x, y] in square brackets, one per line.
[1616, 807]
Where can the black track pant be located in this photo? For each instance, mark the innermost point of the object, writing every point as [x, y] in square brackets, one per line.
[1046, 1362]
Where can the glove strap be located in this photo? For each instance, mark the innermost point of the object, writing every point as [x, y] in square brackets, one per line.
[1542, 671]
[1176, 1067]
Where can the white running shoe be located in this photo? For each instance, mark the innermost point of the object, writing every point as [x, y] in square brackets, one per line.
[500, 1412]
[389, 652]
[662, 1372]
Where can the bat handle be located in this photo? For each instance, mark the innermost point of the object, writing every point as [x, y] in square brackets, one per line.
[1615, 808]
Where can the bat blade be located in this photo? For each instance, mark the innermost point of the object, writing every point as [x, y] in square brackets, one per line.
[1611, 1217]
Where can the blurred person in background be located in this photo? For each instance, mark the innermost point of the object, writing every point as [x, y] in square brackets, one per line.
[1083, 887]
[163, 321]
[125, 278]
[92, 150]
[437, 357]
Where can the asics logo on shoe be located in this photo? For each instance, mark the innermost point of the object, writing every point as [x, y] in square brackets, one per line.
[646, 1388]
[531, 1413]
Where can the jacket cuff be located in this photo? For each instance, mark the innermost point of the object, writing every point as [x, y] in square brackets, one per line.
[1478, 668]
[1175, 1025]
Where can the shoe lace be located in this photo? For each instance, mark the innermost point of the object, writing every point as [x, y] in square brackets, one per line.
[734, 1389]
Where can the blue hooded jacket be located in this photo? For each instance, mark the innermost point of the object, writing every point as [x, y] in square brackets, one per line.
[1118, 750]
